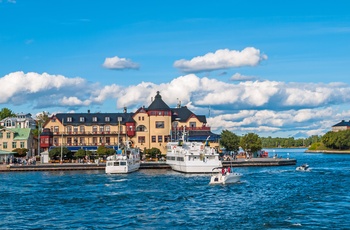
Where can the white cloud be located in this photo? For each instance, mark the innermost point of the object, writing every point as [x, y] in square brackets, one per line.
[259, 106]
[221, 59]
[240, 77]
[117, 63]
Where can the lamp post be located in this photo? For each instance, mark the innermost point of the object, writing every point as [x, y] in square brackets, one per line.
[119, 120]
[62, 141]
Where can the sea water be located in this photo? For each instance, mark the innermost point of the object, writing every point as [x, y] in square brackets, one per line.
[266, 198]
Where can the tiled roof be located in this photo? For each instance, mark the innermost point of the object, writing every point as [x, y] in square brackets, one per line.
[342, 123]
[102, 118]
[158, 104]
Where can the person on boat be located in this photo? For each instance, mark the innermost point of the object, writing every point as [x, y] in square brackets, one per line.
[223, 171]
[228, 169]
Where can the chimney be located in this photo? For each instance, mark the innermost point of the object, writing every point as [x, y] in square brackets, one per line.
[125, 110]
[88, 110]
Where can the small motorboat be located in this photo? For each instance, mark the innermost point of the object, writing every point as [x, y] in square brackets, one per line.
[225, 176]
[303, 167]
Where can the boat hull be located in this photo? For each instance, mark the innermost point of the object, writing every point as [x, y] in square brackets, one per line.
[228, 178]
[122, 169]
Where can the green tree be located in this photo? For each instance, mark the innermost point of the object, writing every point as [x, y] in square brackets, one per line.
[81, 153]
[251, 142]
[20, 152]
[152, 153]
[103, 151]
[229, 141]
[5, 112]
[55, 154]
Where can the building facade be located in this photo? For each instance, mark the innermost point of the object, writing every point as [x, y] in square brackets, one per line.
[21, 120]
[146, 128]
[341, 126]
[16, 138]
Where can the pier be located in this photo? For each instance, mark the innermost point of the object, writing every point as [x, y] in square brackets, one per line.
[254, 162]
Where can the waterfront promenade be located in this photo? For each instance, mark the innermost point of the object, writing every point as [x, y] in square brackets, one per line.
[144, 165]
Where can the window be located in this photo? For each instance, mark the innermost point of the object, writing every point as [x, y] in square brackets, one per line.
[22, 144]
[94, 140]
[69, 119]
[55, 129]
[82, 129]
[101, 128]
[9, 123]
[166, 138]
[153, 139]
[141, 139]
[159, 124]
[143, 118]
[94, 119]
[192, 124]
[108, 128]
[69, 129]
[94, 128]
[141, 128]
[108, 140]
[69, 140]
[14, 145]
[75, 129]
[8, 135]
[107, 119]
[81, 140]
[4, 145]
[81, 119]
[160, 138]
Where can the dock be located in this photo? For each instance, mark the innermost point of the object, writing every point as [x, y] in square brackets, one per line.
[254, 162]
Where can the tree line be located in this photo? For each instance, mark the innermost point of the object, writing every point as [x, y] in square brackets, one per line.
[251, 142]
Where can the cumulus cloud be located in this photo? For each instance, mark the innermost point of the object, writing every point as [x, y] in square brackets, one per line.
[256, 106]
[221, 59]
[117, 63]
[240, 77]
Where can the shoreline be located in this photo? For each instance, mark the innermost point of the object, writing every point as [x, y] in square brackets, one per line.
[329, 151]
[254, 162]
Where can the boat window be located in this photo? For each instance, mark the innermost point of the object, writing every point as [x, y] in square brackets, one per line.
[123, 163]
[116, 163]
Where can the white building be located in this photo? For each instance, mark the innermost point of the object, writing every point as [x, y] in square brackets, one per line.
[21, 120]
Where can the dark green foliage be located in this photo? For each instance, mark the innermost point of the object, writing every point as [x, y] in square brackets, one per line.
[55, 154]
[103, 151]
[5, 112]
[152, 153]
[337, 140]
[20, 152]
[251, 142]
[229, 141]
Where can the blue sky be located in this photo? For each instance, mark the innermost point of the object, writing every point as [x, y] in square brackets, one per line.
[275, 68]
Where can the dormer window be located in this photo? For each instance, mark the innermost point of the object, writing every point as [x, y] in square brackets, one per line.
[69, 119]
[94, 119]
[81, 119]
[107, 119]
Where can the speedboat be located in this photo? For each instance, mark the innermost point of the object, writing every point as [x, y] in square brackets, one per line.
[303, 167]
[224, 176]
[126, 160]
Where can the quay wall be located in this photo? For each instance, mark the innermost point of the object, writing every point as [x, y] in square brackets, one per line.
[254, 162]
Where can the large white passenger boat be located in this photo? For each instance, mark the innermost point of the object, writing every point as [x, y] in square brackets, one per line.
[192, 157]
[126, 161]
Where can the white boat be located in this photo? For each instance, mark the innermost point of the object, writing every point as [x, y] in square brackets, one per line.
[192, 157]
[303, 167]
[125, 161]
[224, 176]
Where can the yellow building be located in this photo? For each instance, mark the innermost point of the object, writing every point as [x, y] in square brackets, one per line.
[15, 138]
[147, 128]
